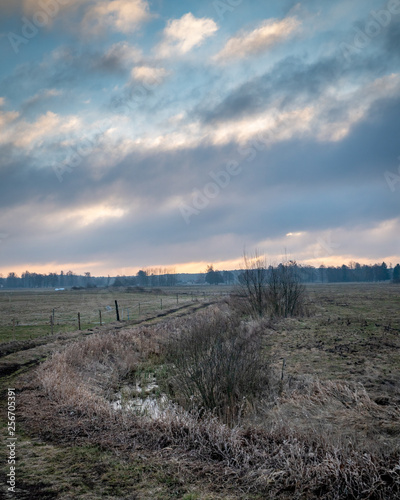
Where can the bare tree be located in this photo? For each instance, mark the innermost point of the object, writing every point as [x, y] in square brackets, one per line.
[253, 281]
[277, 291]
[286, 294]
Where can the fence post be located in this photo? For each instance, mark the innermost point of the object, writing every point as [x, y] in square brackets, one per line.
[14, 329]
[79, 321]
[161, 304]
[51, 323]
[100, 317]
[139, 308]
[177, 300]
[116, 309]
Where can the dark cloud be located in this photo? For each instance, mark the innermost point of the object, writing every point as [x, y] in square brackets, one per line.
[295, 80]
[64, 69]
[391, 41]
[296, 184]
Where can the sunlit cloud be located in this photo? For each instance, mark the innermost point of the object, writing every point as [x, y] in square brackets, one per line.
[149, 75]
[269, 33]
[24, 134]
[184, 34]
[86, 216]
[124, 16]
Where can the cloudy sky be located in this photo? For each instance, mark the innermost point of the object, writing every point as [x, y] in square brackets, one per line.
[140, 133]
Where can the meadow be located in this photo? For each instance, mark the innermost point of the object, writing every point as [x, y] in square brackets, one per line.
[327, 426]
[25, 314]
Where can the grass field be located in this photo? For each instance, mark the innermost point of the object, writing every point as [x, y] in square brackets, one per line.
[26, 314]
[353, 334]
[338, 408]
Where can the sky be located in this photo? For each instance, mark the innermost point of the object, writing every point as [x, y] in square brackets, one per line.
[137, 133]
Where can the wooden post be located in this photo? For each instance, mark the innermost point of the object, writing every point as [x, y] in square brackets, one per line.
[51, 323]
[128, 313]
[53, 315]
[79, 321]
[161, 304]
[139, 308]
[100, 317]
[13, 328]
[177, 300]
[282, 375]
[116, 310]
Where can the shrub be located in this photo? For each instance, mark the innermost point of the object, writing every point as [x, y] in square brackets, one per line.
[276, 291]
[216, 363]
[285, 292]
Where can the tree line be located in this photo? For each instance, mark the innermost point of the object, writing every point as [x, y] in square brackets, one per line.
[160, 277]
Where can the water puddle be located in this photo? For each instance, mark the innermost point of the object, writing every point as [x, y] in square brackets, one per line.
[141, 399]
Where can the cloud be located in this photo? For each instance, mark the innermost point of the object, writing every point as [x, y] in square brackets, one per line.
[268, 34]
[296, 81]
[23, 134]
[329, 117]
[41, 96]
[6, 119]
[2, 101]
[32, 6]
[124, 16]
[119, 56]
[294, 186]
[149, 75]
[182, 35]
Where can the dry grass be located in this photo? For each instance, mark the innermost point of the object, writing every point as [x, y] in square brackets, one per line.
[320, 439]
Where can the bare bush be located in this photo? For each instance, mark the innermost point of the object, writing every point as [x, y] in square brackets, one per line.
[285, 292]
[216, 363]
[276, 291]
[253, 283]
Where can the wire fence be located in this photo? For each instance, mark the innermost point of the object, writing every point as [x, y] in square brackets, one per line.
[19, 323]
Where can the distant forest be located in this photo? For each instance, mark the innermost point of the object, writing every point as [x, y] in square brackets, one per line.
[160, 277]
